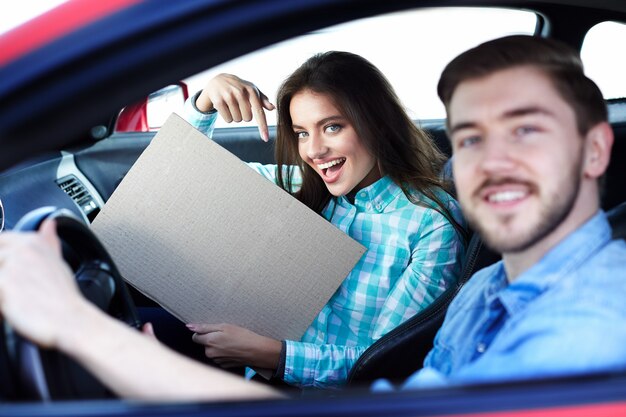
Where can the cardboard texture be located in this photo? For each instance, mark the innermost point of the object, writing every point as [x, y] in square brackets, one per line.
[208, 238]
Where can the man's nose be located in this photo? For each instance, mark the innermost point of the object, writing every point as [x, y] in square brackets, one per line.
[497, 155]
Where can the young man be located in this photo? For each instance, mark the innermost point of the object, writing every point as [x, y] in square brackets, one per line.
[531, 140]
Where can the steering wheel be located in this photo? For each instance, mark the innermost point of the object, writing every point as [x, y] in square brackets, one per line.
[43, 374]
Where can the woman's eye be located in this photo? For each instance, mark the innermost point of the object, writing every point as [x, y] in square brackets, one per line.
[333, 128]
[301, 135]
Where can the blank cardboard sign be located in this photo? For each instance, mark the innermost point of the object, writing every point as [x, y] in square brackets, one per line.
[197, 230]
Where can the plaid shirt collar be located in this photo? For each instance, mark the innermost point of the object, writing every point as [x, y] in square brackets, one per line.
[375, 197]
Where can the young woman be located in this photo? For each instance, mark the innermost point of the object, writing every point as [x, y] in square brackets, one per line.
[346, 148]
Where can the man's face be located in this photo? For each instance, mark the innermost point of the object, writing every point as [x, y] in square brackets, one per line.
[517, 157]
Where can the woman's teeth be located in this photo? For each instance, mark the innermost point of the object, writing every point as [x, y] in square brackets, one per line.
[329, 164]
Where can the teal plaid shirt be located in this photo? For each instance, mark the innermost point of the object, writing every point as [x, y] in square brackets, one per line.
[413, 254]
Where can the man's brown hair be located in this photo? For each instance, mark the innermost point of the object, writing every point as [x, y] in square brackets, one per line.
[560, 63]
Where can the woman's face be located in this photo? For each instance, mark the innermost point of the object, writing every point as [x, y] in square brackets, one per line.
[328, 143]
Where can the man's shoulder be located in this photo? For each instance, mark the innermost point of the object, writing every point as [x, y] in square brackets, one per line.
[597, 286]
[613, 254]
[485, 275]
[606, 266]
[478, 283]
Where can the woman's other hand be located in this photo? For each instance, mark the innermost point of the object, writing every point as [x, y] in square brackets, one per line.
[236, 100]
[231, 346]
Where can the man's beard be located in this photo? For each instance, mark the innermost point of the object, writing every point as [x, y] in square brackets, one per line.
[554, 210]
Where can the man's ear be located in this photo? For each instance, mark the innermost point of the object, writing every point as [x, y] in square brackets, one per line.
[598, 144]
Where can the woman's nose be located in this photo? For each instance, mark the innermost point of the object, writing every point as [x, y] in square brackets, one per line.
[316, 147]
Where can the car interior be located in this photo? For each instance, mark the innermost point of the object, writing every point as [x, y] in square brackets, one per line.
[82, 176]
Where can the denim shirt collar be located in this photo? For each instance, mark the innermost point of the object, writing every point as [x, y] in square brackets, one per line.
[566, 257]
[375, 197]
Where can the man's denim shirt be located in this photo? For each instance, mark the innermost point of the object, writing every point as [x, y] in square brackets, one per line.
[565, 315]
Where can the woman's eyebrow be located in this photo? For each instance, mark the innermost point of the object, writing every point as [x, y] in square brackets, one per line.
[322, 121]
[330, 119]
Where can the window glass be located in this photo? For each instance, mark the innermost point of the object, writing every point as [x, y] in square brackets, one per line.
[602, 64]
[410, 48]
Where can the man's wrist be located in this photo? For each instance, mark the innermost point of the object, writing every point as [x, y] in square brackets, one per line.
[79, 331]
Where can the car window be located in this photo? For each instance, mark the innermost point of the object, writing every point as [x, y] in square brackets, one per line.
[602, 64]
[410, 48]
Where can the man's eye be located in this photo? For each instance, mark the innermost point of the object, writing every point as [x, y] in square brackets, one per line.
[525, 130]
[333, 128]
[469, 141]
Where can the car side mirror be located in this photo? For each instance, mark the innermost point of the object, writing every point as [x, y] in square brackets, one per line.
[150, 113]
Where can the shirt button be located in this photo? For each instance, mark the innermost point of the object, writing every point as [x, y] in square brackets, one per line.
[363, 194]
[480, 348]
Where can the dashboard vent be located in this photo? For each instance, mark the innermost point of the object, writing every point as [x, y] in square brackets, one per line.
[78, 192]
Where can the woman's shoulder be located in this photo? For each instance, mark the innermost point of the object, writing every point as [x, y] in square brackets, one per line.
[439, 210]
[434, 199]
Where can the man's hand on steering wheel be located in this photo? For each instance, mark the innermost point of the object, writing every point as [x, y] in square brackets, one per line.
[38, 293]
